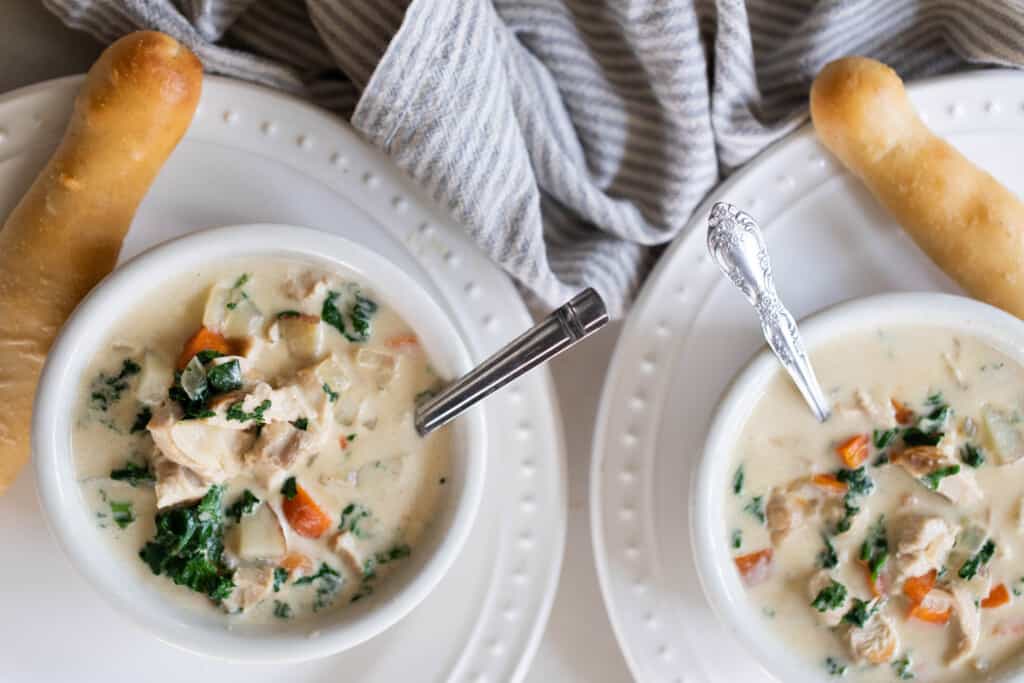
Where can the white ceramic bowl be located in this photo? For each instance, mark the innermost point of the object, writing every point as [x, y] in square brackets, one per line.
[332, 630]
[709, 534]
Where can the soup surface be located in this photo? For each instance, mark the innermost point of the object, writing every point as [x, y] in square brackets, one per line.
[888, 543]
[246, 440]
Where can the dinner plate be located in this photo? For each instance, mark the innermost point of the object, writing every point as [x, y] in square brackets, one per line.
[691, 331]
[252, 155]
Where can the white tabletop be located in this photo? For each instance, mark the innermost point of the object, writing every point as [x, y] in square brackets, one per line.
[578, 644]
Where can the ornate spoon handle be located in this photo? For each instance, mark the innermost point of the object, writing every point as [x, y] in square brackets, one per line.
[565, 327]
[736, 244]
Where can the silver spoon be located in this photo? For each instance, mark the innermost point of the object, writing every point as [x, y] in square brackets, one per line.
[736, 244]
[583, 315]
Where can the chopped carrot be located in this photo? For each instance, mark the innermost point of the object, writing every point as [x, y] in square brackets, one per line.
[904, 415]
[917, 587]
[343, 442]
[829, 482]
[203, 340]
[297, 563]
[403, 342]
[929, 615]
[997, 597]
[754, 566]
[305, 515]
[854, 451]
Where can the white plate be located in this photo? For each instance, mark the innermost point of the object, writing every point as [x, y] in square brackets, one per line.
[691, 331]
[253, 155]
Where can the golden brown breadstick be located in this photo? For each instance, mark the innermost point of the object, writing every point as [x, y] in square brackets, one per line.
[66, 232]
[961, 216]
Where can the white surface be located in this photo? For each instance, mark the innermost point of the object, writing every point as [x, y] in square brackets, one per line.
[577, 645]
[255, 156]
[140, 282]
[712, 550]
[691, 331]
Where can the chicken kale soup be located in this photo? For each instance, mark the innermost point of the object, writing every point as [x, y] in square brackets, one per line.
[247, 440]
[888, 543]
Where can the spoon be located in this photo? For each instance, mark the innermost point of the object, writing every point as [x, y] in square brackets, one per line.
[736, 244]
[565, 327]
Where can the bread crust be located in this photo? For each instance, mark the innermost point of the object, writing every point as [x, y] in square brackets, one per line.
[957, 213]
[66, 232]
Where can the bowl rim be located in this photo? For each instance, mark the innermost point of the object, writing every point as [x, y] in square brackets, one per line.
[52, 459]
[720, 583]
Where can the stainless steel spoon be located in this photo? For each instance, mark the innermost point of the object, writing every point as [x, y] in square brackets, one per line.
[583, 315]
[736, 244]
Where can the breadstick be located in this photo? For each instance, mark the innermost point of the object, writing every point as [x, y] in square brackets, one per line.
[65, 233]
[959, 215]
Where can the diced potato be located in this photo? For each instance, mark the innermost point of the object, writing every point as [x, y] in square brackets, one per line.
[381, 363]
[331, 371]
[1003, 435]
[260, 536]
[345, 545]
[155, 379]
[303, 334]
[230, 313]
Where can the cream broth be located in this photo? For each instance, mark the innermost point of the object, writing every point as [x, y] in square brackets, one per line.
[303, 426]
[948, 563]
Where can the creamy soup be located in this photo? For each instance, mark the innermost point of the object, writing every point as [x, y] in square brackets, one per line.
[888, 543]
[246, 440]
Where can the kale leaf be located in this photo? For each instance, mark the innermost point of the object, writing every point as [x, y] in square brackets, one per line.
[122, 513]
[188, 547]
[142, 420]
[225, 377]
[874, 551]
[970, 567]
[737, 480]
[827, 558]
[236, 413]
[325, 572]
[360, 316]
[107, 391]
[351, 516]
[133, 474]
[280, 576]
[883, 437]
[860, 612]
[972, 455]
[932, 479]
[830, 597]
[245, 504]
[756, 508]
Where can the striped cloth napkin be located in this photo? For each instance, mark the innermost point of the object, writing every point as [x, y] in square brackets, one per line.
[571, 138]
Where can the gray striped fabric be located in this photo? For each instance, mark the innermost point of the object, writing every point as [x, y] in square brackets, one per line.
[569, 137]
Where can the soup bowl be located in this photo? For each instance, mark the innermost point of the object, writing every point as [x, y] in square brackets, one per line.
[710, 486]
[209, 632]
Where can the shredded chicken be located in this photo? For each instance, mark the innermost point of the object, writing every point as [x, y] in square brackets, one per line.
[874, 643]
[210, 451]
[344, 544]
[791, 506]
[281, 444]
[252, 585]
[922, 544]
[176, 484]
[306, 287]
[967, 618]
[919, 461]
